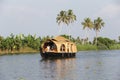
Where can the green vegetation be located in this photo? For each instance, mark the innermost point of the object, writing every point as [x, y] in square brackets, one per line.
[86, 47]
[102, 43]
[15, 44]
[20, 44]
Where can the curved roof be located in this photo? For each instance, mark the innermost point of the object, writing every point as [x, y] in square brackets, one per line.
[60, 39]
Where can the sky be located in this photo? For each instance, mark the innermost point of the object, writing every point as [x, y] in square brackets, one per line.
[39, 17]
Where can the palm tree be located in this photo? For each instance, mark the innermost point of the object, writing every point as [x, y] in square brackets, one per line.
[71, 18]
[66, 17]
[62, 18]
[98, 23]
[17, 42]
[87, 24]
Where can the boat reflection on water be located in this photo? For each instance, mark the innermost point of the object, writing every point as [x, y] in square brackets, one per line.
[59, 69]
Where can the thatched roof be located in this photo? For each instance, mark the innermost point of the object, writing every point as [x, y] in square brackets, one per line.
[59, 40]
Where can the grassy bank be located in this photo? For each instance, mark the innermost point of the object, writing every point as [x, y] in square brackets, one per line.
[114, 47]
[21, 51]
[86, 47]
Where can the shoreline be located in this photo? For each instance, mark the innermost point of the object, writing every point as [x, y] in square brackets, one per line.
[21, 51]
[28, 50]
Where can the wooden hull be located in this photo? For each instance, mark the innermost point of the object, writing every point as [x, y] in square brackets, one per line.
[57, 55]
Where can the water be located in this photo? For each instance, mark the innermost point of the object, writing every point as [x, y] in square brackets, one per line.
[88, 65]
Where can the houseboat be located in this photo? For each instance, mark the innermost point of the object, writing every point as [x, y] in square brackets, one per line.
[58, 47]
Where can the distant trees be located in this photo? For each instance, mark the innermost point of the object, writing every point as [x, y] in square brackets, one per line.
[17, 42]
[104, 43]
[31, 41]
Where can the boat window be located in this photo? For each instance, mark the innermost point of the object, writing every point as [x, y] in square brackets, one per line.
[62, 47]
[50, 46]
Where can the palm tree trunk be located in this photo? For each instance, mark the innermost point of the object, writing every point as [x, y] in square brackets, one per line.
[60, 30]
[96, 37]
[87, 34]
[69, 32]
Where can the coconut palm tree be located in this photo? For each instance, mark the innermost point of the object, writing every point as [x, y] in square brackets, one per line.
[62, 18]
[98, 23]
[87, 24]
[66, 17]
[71, 18]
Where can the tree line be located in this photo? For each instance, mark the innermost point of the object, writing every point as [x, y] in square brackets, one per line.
[103, 43]
[16, 42]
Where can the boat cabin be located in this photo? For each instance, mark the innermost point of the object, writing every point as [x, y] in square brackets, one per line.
[59, 44]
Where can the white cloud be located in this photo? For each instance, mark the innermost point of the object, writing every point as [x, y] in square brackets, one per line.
[110, 11]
